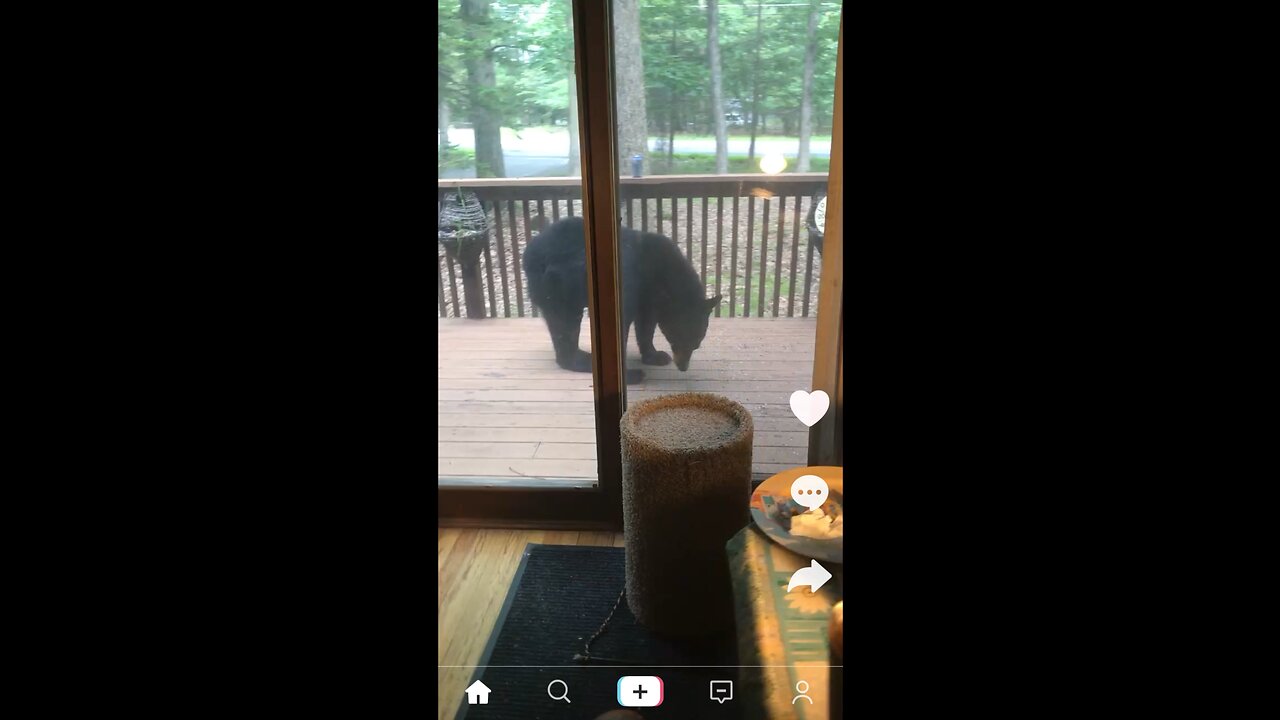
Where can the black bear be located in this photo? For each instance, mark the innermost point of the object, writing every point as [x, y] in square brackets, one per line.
[660, 289]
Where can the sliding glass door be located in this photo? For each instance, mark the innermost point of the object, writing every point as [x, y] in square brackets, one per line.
[713, 128]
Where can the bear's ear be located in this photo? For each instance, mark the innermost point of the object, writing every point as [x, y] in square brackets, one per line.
[712, 303]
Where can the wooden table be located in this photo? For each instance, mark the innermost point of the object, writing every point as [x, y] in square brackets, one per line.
[782, 637]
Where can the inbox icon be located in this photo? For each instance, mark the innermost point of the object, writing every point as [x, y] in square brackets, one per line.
[640, 691]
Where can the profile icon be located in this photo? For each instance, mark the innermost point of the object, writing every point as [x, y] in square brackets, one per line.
[802, 691]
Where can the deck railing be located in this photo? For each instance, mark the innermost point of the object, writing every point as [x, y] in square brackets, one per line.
[724, 224]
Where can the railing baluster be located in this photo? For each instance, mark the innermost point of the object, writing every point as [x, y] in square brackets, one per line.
[808, 269]
[733, 262]
[444, 312]
[751, 234]
[528, 235]
[515, 258]
[502, 257]
[795, 243]
[764, 256]
[777, 259]
[719, 245]
[705, 200]
[675, 226]
[507, 227]
[688, 226]
[675, 222]
[488, 271]
[440, 273]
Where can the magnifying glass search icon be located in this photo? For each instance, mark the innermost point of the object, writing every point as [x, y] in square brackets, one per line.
[562, 696]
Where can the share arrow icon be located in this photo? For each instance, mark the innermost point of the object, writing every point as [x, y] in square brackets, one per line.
[815, 576]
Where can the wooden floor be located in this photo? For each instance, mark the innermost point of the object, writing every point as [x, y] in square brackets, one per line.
[474, 569]
[506, 409]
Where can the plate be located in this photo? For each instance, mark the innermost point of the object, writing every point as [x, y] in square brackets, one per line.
[772, 499]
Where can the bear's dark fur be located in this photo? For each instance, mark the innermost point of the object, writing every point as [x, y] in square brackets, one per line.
[660, 289]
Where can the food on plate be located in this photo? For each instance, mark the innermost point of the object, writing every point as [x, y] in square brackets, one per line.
[818, 524]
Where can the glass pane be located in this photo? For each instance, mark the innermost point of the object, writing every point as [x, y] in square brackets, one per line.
[725, 114]
[724, 126]
[515, 400]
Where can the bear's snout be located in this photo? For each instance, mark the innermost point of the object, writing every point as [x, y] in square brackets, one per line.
[682, 360]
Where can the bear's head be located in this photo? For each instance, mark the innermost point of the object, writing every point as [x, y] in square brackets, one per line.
[686, 328]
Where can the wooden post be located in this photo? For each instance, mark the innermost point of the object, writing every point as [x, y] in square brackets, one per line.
[835, 641]
[467, 254]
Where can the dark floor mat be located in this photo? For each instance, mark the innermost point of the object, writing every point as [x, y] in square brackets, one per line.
[559, 597]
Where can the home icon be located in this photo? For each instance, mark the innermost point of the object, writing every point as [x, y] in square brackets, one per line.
[478, 694]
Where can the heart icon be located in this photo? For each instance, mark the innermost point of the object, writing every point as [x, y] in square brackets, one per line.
[809, 407]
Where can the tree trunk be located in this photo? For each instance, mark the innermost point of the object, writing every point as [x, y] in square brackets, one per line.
[671, 110]
[806, 92]
[442, 122]
[442, 107]
[486, 118]
[755, 82]
[633, 124]
[575, 163]
[717, 94]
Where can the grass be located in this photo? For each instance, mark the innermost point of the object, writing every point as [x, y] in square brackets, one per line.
[700, 164]
[745, 135]
[457, 158]
[535, 132]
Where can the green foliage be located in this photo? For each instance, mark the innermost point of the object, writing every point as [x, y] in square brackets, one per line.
[531, 44]
[705, 164]
[456, 158]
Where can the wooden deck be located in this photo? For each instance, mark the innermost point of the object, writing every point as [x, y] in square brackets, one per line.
[506, 409]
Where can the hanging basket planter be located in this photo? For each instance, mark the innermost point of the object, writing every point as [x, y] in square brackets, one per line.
[464, 233]
[464, 225]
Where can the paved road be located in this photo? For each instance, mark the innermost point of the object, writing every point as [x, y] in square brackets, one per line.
[545, 154]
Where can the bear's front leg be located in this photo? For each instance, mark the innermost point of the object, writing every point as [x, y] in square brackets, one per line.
[633, 376]
[646, 323]
[565, 328]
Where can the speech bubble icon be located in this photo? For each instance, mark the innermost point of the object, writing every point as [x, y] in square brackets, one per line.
[721, 690]
[809, 491]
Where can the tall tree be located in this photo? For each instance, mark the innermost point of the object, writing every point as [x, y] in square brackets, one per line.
[486, 117]
[671, 107]
[717, 91]
[450, 95]
[633, 127]
[575, 164]
[673, 34]
[806, 89]
[755, 81]
[442, 105]
[442, 124]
